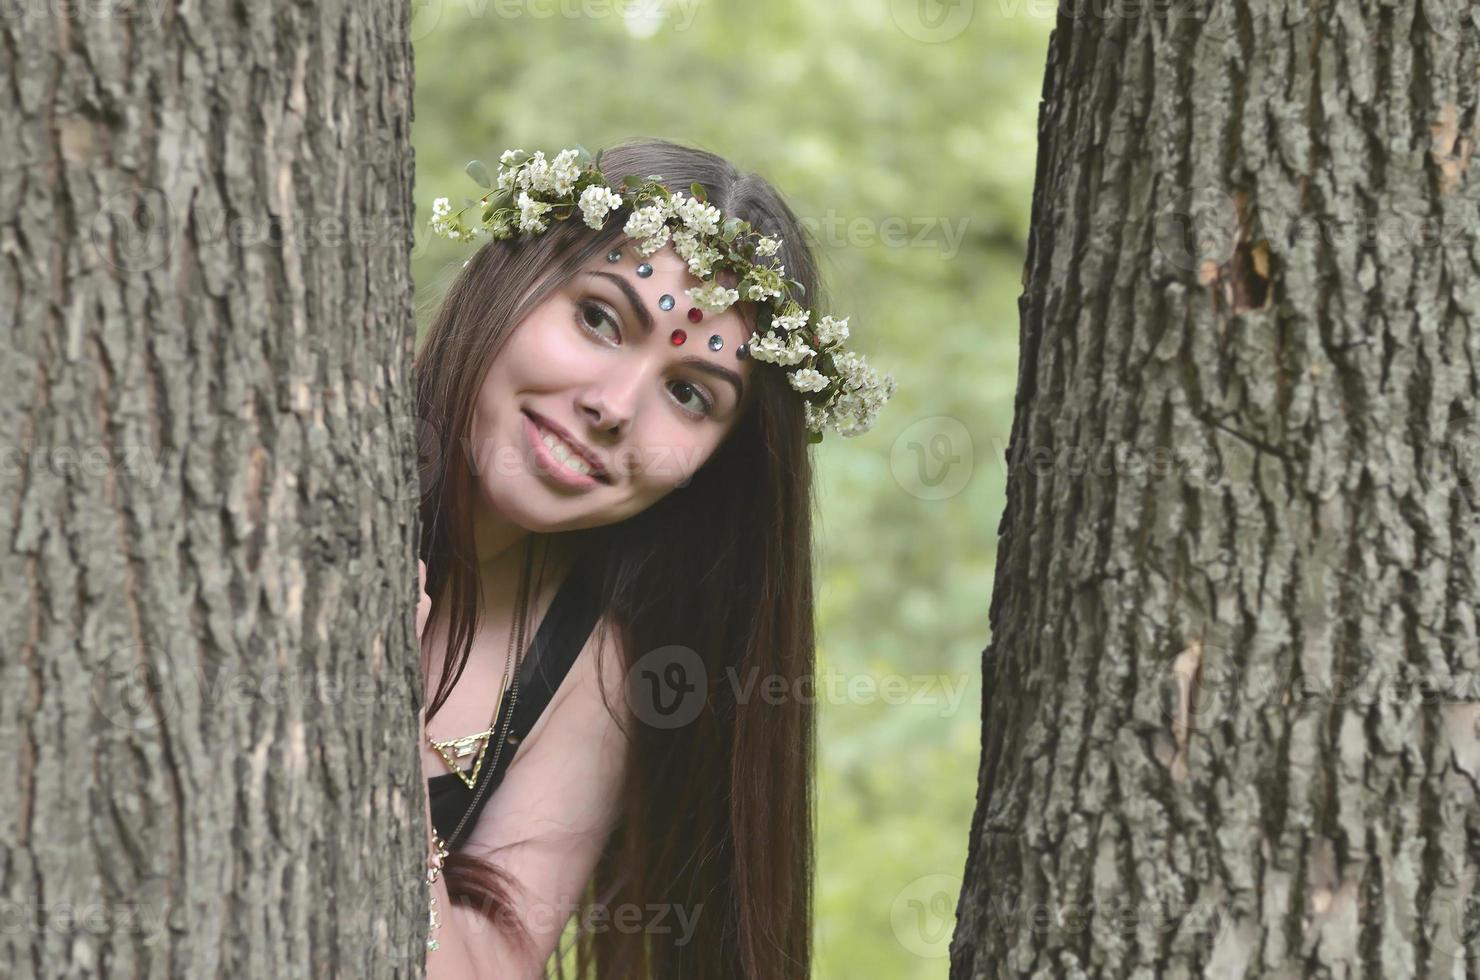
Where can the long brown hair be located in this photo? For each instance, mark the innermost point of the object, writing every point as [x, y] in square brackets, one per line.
[716, 816]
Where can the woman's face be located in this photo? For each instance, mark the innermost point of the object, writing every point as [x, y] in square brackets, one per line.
[595, 364]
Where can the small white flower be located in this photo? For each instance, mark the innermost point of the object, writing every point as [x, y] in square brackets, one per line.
[792, 350]
[441, 208]
[563, 172]
[807, 379]
[692, 250]
[791, 321]
[817, 418]
[831, 331]
[767, 246]
[713, 298]
[596, 202]
[529, 213]
[535, 174]
[645, 222]
[696, 215]
[508, 156]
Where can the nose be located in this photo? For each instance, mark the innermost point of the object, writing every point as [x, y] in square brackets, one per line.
[610, 404]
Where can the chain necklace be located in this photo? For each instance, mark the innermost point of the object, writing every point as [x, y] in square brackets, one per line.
[453, 750]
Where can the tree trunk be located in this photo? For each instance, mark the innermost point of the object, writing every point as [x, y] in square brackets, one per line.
[1233, 689]
[208, 491]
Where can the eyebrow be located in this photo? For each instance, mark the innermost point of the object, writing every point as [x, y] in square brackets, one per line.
[645, 320]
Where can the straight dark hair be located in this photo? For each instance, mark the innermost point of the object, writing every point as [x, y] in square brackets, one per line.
[717, 816]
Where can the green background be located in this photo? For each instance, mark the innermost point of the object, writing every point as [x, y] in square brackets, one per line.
[902, 133]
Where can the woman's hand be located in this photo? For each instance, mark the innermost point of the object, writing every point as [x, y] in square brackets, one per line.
[424, 604]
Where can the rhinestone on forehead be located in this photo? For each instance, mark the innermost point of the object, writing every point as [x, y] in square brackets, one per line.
[665, 302]
[678, 336]
[716, 342]
[615, 255]
[645, 269]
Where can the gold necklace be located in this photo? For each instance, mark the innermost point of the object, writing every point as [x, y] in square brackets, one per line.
[454, 750]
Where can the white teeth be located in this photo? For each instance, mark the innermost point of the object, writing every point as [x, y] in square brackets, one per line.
[565, 455]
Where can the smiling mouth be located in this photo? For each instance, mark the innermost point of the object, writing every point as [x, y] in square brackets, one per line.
[566, 454]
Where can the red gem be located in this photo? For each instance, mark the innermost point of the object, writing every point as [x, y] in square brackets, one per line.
[695, 314]
[677, 337]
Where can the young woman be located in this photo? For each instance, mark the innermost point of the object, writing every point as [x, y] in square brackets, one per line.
[617, 411]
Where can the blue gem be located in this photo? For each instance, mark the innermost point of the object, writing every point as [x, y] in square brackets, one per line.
[615, 255]
[644, 270]
[716, 342]
[742, 352]
[665, 302]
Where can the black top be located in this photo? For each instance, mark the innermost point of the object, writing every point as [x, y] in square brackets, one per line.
[558, 641]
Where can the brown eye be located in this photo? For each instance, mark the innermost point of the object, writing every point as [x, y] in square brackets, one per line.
[590, 316]
[685, 389]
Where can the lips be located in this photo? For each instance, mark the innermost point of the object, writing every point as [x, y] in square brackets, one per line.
[597, 470]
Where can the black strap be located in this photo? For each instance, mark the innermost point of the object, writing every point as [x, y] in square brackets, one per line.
[558, 642]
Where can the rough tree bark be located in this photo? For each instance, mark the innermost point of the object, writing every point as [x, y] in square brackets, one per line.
[1231, 698]
[208, 490]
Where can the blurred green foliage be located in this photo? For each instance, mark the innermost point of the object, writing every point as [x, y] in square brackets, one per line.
[902, 132]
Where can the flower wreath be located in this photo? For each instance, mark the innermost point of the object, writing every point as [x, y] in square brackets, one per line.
[837, 386]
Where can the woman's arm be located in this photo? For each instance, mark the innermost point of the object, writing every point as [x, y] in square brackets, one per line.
[545, 825]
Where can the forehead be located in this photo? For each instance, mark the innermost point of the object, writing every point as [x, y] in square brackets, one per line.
[666, 274]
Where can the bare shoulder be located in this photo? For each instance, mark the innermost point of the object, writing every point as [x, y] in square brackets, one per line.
[592, 699]
[568, 772]
[550, 819]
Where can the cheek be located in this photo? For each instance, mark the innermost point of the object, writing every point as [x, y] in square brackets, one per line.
[666, 458]
[543, 350]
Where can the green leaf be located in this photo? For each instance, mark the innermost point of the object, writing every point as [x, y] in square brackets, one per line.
[479, 173]
[697, 190]
[814, 437]
[583, 156]
[730, 229]
[798, 287]
[597, 162]
[632, 180]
